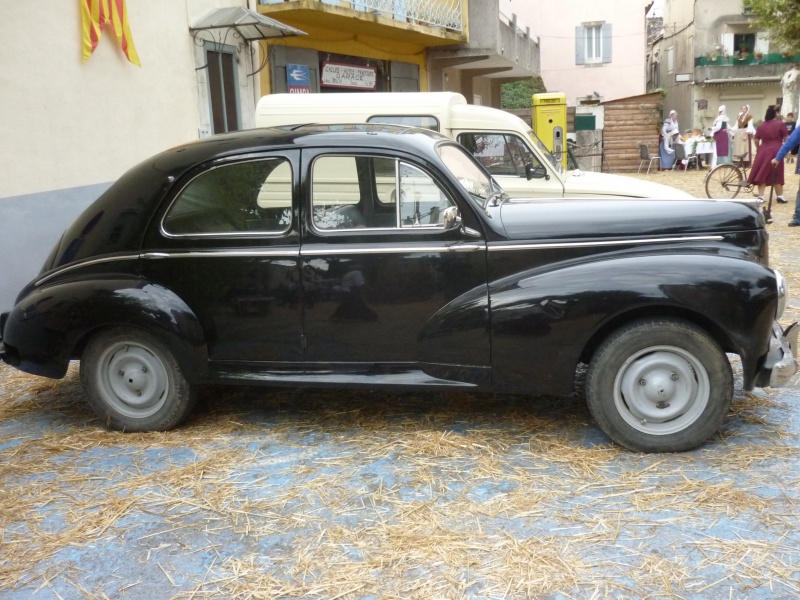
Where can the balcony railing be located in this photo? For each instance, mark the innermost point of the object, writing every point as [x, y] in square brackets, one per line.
[435, 13]
[749, 59]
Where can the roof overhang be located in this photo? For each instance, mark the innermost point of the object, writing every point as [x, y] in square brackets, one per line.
[741, 80]
[247, 25]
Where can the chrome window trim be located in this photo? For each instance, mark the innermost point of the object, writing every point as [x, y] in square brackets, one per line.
[229, 234]
[495, 247]
[398, 225]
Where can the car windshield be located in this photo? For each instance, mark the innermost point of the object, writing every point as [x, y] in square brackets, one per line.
[475, 180]
[545, 151]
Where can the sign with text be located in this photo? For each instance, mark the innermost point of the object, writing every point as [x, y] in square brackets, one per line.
[348, 76]
[297, 79]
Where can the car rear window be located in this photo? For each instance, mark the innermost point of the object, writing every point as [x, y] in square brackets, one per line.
[247, 197]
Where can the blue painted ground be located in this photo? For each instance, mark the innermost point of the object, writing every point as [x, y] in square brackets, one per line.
[322, 495]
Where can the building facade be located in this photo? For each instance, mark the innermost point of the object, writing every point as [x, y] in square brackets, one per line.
[464, 46]
[591, 51]
[710, 54]
[72, 126]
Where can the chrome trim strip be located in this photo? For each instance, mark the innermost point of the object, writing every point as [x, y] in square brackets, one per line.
[86, 263]
[221, 254]
[547, 246]
[393, 249]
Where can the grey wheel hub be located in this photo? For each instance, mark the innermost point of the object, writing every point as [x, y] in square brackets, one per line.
[661, 390]
[133, 380]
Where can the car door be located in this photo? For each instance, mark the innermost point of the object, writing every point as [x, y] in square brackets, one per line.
[505, 155]
[227, 243]
[385, 282]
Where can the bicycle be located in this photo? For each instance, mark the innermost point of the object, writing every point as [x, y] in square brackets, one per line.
[727, 180]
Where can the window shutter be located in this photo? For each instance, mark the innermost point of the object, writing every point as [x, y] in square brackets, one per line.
[606, 33]
[580, 45]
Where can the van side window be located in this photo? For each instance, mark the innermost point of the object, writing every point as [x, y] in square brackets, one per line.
[359, 192]
[246, 197]
[426, 122]
[500, 153]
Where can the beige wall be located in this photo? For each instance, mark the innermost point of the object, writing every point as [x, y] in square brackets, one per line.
[66, 123]
[554, 23]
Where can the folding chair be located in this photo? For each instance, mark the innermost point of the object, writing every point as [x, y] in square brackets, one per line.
[680, 156]
[644, 154]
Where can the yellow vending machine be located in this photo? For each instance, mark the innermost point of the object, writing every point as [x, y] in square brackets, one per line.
[549, 121]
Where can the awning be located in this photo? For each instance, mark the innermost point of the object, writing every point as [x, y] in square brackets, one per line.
[246, 24]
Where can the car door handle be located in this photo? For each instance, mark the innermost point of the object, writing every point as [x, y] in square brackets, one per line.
[465, 247]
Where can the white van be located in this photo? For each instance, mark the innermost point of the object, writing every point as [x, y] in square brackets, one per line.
[503, 142]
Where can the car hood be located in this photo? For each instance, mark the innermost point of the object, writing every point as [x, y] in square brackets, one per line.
[594, 219]
[587, 183]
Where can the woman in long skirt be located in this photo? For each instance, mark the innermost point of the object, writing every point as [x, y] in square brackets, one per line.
[669, 133]
[720, 131]
[769, 137]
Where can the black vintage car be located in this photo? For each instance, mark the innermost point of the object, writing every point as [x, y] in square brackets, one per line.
[379, 256]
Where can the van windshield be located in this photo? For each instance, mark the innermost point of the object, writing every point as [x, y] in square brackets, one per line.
[476, 181]
[545, 151]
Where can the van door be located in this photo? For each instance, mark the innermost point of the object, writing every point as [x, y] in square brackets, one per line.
[505, 155]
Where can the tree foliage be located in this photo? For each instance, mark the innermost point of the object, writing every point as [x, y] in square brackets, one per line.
[781, 18]
[518, 93]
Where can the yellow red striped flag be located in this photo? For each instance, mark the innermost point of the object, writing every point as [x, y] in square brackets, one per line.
[95, 15]
[119, 19]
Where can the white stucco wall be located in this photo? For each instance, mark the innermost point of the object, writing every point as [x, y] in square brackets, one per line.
[554, 23]
[66, 123]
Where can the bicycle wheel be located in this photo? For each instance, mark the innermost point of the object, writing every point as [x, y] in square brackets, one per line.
[724, 181]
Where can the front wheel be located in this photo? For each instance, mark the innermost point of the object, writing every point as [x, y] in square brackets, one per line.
[660, 385]
[133, 382]
[724, 181]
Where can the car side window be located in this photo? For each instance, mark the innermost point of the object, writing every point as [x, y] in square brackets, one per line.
[361, 192]
[248, 197]
[500, 153]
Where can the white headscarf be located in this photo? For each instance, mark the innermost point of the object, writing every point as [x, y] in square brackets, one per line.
[721, 118]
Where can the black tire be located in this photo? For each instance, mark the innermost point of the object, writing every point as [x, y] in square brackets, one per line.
[133, 382]
[724, 181]
[661, 385]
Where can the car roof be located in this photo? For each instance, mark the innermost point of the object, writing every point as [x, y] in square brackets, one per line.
[414, 140]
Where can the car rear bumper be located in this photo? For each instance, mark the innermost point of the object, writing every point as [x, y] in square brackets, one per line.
[781, 359]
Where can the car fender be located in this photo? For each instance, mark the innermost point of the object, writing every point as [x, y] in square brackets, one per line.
[50, 325]
[547, 320]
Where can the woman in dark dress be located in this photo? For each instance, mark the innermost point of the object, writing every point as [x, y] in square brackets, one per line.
[768, 140]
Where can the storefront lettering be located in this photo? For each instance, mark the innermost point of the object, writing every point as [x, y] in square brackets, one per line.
[348, 76]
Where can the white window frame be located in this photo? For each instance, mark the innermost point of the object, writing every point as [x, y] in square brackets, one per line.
[593, 43]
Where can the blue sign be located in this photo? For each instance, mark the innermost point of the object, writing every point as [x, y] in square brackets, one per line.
[298, 79]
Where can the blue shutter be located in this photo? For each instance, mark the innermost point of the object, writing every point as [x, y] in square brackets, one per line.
[606, 33]
[580, 45]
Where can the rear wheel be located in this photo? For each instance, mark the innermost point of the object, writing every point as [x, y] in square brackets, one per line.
[724, 181]
[133, 382]
[659, 386]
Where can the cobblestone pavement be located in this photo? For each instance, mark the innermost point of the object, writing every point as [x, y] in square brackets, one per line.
[268, 494]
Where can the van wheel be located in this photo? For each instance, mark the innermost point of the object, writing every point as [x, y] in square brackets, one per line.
[133, 382]
[660, 385]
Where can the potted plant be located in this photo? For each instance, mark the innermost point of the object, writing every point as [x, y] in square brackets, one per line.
[758, 55]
